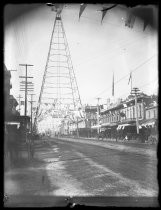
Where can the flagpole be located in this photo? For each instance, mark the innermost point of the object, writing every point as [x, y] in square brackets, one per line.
[130, 79]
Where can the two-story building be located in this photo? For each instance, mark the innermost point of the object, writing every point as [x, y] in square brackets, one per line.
[150, 123]
[120, 118]
[91, 120]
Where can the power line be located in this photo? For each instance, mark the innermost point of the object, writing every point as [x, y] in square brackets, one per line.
[26, 84]
[123, 44]
[127, 74]
[146, 84]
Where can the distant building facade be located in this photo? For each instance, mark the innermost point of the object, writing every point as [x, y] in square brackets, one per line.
[121, 118]
[83, 125]
[117, 120]
[10, 103]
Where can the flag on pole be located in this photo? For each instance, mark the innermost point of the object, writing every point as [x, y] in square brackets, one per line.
[103, 14]
[104, 10]
[145, 24]
[130, 19]
[130, 78]
[148, 17]
[113, 86]
[22, 103]
[82, 8]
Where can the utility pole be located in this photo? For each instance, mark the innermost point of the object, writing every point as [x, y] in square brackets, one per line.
[19, 97]
[135, 92]
[26, 77]
[31, 110]
[98, 130]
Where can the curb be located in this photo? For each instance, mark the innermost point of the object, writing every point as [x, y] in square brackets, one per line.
[109, 140]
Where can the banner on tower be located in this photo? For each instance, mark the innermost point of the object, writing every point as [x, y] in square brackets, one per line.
[82, 8]
[104, 11]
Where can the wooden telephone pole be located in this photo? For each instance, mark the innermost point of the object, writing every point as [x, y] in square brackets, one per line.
[19, 97]
[26, 84]
[31, 109]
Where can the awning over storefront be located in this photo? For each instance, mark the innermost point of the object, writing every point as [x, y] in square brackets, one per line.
[105, 124]
[150, 122]
[122, 126]
[96, 126]
[12, 123]
[108, 124]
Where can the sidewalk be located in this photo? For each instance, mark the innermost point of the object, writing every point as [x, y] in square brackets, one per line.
[27, 177]
[132, 142]
[132, 147]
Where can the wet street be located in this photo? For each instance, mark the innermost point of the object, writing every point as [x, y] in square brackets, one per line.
[73, 168]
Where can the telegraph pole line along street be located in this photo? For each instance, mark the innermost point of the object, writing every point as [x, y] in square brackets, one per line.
[31, 109]
[26, 77]
[135, 91]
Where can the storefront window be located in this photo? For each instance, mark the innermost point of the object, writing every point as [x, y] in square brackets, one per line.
[140, 111]
[154, 113]
[149, 113]
[130, 113]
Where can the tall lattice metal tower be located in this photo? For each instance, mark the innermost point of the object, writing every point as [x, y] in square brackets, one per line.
[59, 95]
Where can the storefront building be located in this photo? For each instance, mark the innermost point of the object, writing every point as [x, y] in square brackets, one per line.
[120, 120]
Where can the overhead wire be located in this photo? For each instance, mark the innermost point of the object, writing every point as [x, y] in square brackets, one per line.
[141, 86]
[17, 40]
[20, 42]
[122, 43]
[114, 41]
[133, 70]
[120, 47]
[112, 52]
[24, 34]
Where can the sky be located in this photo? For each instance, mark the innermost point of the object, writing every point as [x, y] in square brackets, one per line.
[97, 50]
